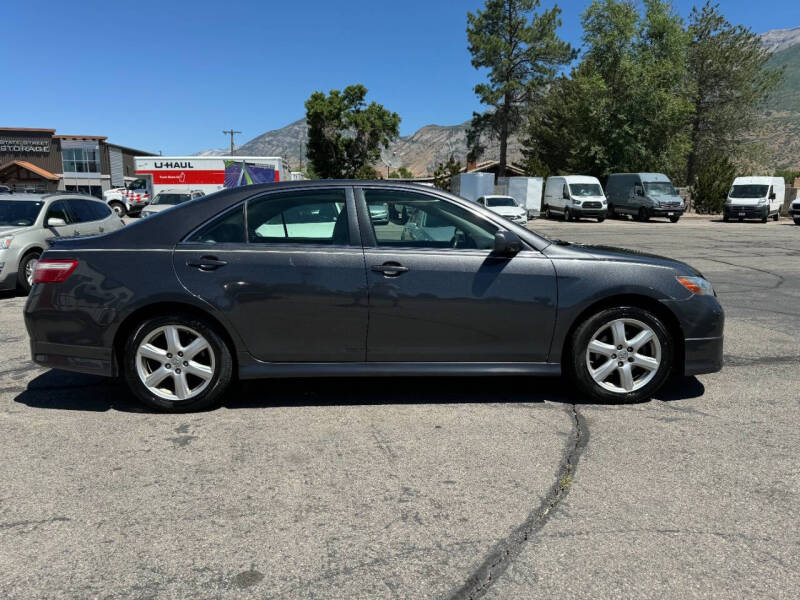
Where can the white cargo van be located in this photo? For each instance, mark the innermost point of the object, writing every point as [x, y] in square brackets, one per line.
[575, 196]
[755, 198]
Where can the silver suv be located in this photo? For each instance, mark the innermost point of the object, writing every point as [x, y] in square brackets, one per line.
[28, 220]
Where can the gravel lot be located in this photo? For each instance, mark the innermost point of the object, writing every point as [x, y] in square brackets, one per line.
[417, 488]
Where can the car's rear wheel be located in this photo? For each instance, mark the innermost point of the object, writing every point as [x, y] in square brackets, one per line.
[776, 216]
[621, 354]
[644, 215]
[567, 215]
[797, 220]
[118, 207]
[25, 270]
[177, 363]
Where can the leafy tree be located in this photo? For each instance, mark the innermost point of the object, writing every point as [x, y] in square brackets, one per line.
[712, 182]
[522, 52]
[401, 173]
[730, 81]
[444, 172]
[345, 134]
[625, 106]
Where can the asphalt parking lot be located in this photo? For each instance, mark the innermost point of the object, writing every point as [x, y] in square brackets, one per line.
[426, 488]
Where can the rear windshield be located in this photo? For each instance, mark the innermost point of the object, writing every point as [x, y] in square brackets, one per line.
[171, 198]
[660, 188]
[586, 189]
[19, 213]
[749, 191]
[500, 202]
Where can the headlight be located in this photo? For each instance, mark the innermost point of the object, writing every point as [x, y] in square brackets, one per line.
[696, 285]
[576, 201]
[762, 201]
[5, 242]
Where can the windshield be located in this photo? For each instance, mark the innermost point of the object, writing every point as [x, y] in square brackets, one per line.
[585, 189]
[138, 184]
[660, 188]
[171, 198]
[748, 191]
[503, 201]
[19, 213]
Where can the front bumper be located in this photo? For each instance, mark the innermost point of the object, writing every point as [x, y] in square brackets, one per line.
[794, 211]
[746, 212]
[667, 212]
[8, 276]
[593, 212]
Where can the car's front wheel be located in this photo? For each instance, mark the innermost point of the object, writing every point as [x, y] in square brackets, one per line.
[177, 363]
[118, 207]
[621, 354]
[25, 270]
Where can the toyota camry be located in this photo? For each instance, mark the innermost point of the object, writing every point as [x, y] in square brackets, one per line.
[350, 278]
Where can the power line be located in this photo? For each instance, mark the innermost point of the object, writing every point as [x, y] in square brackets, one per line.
[232, 132]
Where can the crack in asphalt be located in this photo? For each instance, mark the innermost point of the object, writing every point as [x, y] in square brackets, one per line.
[507, 550]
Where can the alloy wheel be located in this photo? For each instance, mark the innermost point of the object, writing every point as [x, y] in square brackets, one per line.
[30, 267]
[175, 362]
[623, 356]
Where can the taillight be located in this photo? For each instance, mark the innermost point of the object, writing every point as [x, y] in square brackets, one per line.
[53, 271]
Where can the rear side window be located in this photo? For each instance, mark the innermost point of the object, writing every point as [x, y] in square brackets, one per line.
[86, 210]
[225, 229]
[101, 210]
[304, 217]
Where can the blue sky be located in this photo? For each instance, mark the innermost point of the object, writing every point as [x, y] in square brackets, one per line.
[172, 75]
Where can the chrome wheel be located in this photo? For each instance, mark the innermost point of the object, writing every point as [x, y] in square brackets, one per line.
[30, 267]
[175, 362]
[623, 356]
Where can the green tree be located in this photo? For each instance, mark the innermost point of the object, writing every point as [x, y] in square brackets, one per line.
[401, 173]
[712, 182]
[625, 106]
[730, 82]
[345, 134]
[522, 53]
[444, 172]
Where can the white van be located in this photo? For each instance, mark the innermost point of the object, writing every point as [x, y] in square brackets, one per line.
[755, 198]
[575, 196]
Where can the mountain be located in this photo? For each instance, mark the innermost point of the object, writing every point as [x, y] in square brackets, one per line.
[780, 131]
[419, 152]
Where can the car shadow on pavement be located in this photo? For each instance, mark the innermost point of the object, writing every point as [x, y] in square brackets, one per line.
[63, 390]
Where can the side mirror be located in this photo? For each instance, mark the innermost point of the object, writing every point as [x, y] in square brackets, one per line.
[772, 196]
[639, 192]
[55, 222]
[507, 244]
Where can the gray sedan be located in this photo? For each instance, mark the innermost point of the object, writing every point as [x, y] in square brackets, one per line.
[303, 279]
[27, 221]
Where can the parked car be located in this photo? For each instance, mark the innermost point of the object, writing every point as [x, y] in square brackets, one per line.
[575, 196]
[4, 189]
[755, 198]
[379, 214]
[794, 211]
[505, 206]
[246, 283]
[168, 199]
[643, 195]
[28, 221]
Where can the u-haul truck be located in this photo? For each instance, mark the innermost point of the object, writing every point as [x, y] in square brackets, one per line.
[208, 174]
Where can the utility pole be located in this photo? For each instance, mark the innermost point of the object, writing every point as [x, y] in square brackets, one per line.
[231, 132]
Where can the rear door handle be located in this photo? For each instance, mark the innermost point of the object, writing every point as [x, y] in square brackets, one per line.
[206, 263]
[390, 269]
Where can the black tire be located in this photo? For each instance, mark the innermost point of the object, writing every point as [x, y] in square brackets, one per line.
[764, 219]
[577, 363]
[219, 383]
[797, 220]
[548, 213]
[600, 219]
[644, 215]
[22, 273]
[567, 215]
[674, 219]
[776, 216]
[118, 207]
[725, 218]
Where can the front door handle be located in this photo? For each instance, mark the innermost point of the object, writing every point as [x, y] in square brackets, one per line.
[206, 263]
[390, 269]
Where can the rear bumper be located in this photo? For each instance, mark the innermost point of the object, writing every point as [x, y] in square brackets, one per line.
[703, 355]
[69, 357]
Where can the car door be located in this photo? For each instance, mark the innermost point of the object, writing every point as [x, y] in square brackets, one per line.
[60, 209]
[438, 293]
[86, 218]
[292, 281]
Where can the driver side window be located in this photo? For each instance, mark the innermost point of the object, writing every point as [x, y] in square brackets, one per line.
[408, 219]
